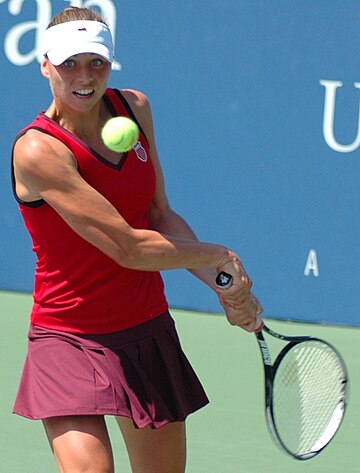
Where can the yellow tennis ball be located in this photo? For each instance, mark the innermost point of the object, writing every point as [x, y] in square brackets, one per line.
[120, 134]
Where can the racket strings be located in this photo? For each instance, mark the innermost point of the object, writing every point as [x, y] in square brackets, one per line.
[308, 397]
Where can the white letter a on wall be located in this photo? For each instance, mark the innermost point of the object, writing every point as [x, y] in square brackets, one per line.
[311, 264]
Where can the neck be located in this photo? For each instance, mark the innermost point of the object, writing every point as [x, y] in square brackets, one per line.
[83, 124]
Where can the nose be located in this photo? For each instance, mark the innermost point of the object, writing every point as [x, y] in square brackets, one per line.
[85, 73]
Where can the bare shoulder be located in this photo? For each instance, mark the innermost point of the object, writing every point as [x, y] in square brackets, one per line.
[35, 150]
[138, 102]
[140, 105]
[41, 162]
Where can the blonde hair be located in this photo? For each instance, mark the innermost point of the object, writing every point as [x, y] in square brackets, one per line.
[74, 14]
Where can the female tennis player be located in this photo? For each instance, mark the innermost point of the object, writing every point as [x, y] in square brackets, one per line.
[101, 340]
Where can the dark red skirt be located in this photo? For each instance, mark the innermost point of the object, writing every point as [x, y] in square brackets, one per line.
[141, 373]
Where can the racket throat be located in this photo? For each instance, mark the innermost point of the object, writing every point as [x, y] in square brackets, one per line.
[265, 352]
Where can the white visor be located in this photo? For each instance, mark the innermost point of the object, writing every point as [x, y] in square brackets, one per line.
[75, 37]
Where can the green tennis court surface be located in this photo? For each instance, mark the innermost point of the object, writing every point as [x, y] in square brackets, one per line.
[229, 435]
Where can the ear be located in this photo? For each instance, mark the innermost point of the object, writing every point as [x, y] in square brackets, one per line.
[45, 67]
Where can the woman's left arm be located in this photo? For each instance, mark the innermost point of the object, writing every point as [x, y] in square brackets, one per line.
[163, 218]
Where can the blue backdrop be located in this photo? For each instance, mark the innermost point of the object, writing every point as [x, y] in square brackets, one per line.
[256, 106]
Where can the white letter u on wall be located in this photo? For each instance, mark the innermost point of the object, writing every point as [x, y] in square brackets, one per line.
[329, 117]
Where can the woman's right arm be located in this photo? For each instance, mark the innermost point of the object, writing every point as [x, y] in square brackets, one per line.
[46, 169]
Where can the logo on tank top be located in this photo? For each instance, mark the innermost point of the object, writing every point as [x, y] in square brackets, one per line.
[140, 152]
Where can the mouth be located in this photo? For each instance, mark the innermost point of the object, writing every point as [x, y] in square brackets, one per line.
[84, 93]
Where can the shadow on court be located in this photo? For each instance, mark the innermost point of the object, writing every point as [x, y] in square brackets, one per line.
[229, 435]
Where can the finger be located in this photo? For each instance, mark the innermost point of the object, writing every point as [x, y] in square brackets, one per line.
[258, 307]
[249, 306]
[241, 317]
[235, 296]
[259, 324]
[254, 326]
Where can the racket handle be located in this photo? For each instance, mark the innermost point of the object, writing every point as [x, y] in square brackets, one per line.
[224, 280]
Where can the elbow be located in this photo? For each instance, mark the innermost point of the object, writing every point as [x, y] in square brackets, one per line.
[128, 254]
[128, 258]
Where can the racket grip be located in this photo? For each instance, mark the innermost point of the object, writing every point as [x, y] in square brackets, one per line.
[224, 280]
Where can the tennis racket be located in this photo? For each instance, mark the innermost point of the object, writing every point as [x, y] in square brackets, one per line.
[305, 390]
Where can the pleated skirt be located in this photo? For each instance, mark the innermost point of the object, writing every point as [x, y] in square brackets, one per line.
[141, 373]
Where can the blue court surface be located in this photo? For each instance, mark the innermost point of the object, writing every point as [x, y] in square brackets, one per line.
[229, 435]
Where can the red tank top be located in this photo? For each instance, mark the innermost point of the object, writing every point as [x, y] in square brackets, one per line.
[77, 287]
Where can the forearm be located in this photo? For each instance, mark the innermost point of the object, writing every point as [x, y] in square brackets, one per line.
[154, 251]
[174, 225]
[139, 249]
[240, 306]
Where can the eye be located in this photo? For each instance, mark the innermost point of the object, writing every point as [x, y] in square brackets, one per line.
[69, 63]
[97, 62]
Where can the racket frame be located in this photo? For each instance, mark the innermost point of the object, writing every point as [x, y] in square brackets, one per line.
[224, 281]
[269, 375]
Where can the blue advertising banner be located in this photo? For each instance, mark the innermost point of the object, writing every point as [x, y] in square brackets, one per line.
[256, 108]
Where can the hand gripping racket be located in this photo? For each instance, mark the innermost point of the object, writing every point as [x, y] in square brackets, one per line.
[305, 390]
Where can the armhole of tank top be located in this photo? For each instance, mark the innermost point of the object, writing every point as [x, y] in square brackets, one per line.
[35, 203]
[127, 107]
